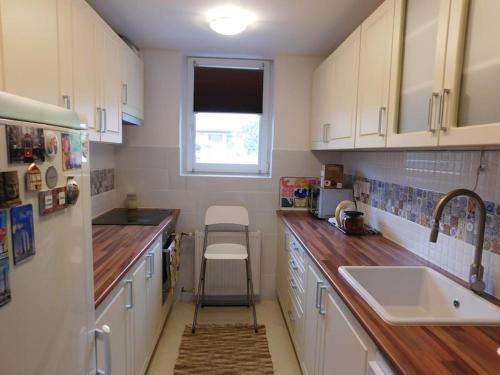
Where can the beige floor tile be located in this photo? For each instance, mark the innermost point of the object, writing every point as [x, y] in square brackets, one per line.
[268, 313]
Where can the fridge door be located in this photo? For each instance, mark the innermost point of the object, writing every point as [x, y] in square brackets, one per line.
[48, 326]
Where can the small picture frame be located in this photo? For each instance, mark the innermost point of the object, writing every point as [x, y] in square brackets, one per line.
[25, 144]
[51, 144]
[9, 189]
[46, 204]
[71, 145]
[33, 178]
[5, 294]
[59, 198]
[23, 233]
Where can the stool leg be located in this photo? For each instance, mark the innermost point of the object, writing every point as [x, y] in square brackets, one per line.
[252, 299]
[248, 283]
[201, 284]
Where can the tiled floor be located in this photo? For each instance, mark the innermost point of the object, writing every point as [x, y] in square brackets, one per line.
[268, 313]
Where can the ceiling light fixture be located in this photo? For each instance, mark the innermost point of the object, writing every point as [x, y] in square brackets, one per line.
[229, 20]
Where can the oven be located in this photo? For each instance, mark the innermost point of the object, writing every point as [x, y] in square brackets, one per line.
[170, 262]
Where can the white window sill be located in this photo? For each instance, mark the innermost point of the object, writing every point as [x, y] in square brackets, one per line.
[226, 174]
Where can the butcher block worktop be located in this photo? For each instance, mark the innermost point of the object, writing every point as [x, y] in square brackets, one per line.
[410, 349]
[117, 248]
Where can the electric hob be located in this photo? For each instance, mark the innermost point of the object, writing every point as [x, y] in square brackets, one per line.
[124, 216]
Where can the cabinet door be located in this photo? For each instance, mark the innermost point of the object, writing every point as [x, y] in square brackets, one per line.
[30, 49]
[342, 350]
[344, 93]
[311, 320]
[321, 91]
[85, 67]
[65, 40]
[420, 32]
[140, 319]
[374, 77]
[155, 294]
[116, 317]
[110, 84]
[133, 81]
[471, 114]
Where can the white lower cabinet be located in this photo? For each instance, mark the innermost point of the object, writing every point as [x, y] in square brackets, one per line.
[328, 339]
[133, 311]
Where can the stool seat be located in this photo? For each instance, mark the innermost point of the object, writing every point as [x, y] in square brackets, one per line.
[226, 251]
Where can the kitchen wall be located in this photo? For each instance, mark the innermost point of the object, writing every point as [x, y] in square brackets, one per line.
[400, 189]
[105, 196]
[148, 161]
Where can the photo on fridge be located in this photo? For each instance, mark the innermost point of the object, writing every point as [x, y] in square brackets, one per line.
[23, 233]
[5, 295]
[9, 189]
[71, 151]
[25, 144]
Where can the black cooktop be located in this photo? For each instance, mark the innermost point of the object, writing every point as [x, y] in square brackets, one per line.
[140, 216]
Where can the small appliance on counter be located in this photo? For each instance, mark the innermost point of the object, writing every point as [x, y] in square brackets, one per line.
[332, 176]
[349, 220]
[324, 201]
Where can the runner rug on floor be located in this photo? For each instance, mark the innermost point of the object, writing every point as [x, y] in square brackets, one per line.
[224, 349]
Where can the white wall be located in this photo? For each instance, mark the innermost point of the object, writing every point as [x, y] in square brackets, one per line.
[148, 162]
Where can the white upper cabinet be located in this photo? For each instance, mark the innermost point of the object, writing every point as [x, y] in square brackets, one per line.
[30, 49]
[320, 105]
[471, 114]
[344, 93]
[420, 33]
[375, 77]
[133, 83]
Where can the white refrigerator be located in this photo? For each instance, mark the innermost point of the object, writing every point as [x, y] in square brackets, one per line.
[47, 326]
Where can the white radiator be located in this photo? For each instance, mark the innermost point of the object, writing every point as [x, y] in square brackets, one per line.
[228, 277]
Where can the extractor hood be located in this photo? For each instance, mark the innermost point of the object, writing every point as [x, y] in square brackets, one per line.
[128, 119]
[13, 107]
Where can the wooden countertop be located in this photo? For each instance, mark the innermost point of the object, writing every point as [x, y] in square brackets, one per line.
[116, 249]
[410, 349]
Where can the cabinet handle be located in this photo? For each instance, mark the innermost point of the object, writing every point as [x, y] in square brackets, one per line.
[380, 110]
[105, 120]
[98, 119]
[290, 316]
[322, 287]
[292, 284]
[104, 334]
[152, 263]
[325, 132]
[66, 101]
[125, 94]
[430, 112]
[318, 284]
[131, 294]
[150, 273]
[445, 93]
[294, 265]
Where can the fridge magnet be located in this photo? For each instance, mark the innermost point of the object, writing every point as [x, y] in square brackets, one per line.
[71, 151]
[294, 192]
[72, 190]
[25, 144]
[33, 178]
[45, 202]
[5, 295]
[51, 144]
[85, 147]
[59, 198]
[4, 250]
[9, 189]
[51, 177]
[23, 233]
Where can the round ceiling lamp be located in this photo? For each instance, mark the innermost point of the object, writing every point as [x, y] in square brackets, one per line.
[229, 20]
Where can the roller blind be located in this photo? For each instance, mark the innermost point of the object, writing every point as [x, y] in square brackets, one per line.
[228, 90]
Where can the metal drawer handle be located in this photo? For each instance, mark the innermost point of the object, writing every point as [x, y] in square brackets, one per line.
[430, 112]
[150, 273]
[290, 316]
[322, 287]
[294, 265]
[131, 294]
[318, 284]
[98, 120]
[66, 101]
[380, 110]
[125, 94]
[104, 334]
[105, 121]
[292, 284]
[445, 93]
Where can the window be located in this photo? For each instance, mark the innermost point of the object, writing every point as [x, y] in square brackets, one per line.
[227, 126]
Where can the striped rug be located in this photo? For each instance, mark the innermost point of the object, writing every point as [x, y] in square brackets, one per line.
[224, 349]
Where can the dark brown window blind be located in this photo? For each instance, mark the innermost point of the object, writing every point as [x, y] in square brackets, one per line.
[228, 90]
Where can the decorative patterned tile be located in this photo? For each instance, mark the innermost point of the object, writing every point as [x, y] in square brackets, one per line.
[417, 205]
[101, 181]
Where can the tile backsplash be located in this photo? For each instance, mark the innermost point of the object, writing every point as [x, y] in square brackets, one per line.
[398, 191]
[102, 180]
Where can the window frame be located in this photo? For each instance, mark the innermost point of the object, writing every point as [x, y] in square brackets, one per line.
[188, 134]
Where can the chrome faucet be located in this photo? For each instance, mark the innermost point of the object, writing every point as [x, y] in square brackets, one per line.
[476, 283]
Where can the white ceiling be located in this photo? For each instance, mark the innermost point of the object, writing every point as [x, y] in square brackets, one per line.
[303, 27]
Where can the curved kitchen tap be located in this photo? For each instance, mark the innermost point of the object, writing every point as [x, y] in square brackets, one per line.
[476, 282]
